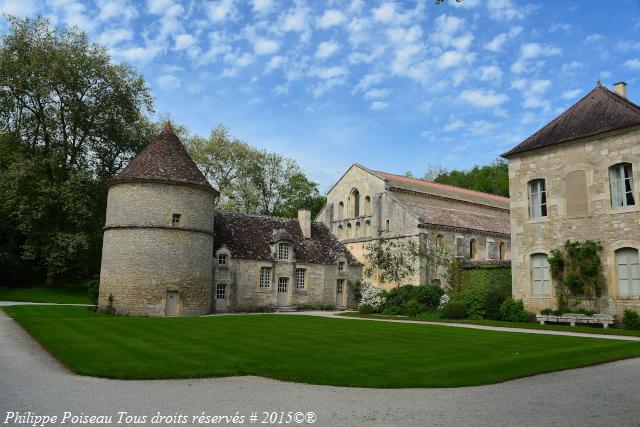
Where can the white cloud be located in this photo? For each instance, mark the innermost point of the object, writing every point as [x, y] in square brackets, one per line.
[168, 82]
[184, 41]
[331, 18]
[483, 99]
[19, 8]
[378, 105]
[633, 64]
[496, 44]
[453, 125]
[112, 9]
[221, 10]
[73, 13]
[449, 59]
[490, 73]
[627, 45]
[388, 13]
[295, 20]
[369, 80]
[466, 4]
[592, 38]
[536, 50]
[446, 27]
[481, 127]
[505, 10]
[262, 6]
[376, 94]
[532, 92]
[327, 49]
[275, 63]
[265, 46]
[570, 67]
[385, 13]
[570, 94]
[139, 54]
[115, 36]
[326, 73]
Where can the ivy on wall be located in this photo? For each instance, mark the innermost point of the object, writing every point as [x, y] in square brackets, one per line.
[577, 270]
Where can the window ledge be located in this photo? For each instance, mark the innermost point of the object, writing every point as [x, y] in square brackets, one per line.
[537, 220]
[627, 297]
[625, 209]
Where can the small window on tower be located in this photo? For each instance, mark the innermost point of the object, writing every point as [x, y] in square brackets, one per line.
[175, 220]
[222, 259]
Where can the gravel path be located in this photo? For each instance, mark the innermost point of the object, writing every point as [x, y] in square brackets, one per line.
[605, 395]
[334, 315]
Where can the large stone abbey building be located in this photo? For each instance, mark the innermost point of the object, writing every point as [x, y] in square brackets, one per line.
[365, 203]
[166, 252]
[578, 178]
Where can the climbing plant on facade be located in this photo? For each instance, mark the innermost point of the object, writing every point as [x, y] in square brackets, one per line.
[577, 270]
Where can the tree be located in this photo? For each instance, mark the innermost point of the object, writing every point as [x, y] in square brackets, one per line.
[393, 260]
[435, 257]
[252, 180]
[492, 178]
[72, 119]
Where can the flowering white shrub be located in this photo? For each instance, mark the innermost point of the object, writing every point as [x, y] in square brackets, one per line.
[444, 299]
[372, 295]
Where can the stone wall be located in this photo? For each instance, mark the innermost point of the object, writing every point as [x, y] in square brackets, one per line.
[145, 255]
[579, 208]
[242, 277]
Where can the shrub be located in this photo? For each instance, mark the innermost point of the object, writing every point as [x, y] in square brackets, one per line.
[372, 295]
[513, 310]
[414, 307]
[546, 311]
[327, 307]
[455, 310]
[392, 311]
[631, 319]
[429, 295]
[93, 288]
[365, 309]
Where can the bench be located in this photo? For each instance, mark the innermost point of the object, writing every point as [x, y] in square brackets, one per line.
[572, 319]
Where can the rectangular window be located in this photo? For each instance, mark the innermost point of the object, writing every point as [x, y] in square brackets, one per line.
[387, 226]
[540, 277]
[265, 277]
[283, 251]
[175, 220]
[301, 274]
[222, 259]
[621, 182]
[341, 266]
[628, 272]
[537, 199]
[340, 286]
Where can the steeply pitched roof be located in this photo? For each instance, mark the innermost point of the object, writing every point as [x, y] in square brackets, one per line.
[165, 159]
[458, 218]
[600, 111]
[442, 190]
[250, 237]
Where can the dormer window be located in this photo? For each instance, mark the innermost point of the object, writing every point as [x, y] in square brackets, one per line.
[222, 259]
[283, 251]
[175, 220]
[340, 265]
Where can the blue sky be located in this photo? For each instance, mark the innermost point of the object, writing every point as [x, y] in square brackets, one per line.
[392, 85]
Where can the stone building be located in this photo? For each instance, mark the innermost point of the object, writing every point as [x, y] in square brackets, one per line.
[160, 242]
[577, 178]
[469, 224]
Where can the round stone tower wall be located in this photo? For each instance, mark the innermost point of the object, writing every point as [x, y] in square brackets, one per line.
[149, 254]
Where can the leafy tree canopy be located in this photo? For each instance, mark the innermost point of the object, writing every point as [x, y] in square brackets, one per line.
[492, 178]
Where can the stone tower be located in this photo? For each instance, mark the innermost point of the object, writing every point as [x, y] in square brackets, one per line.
[157, 252]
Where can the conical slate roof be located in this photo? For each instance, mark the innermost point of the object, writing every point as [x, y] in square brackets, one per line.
[165, 159]
[600, 111]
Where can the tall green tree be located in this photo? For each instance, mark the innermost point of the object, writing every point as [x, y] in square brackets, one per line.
[73, 119]
[492, 178]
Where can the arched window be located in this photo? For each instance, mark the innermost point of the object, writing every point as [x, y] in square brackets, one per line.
[367, 228]
[537, 198]
[367, 205]
[628, 272]
[355, 203]
[358, 230]
[340, 210]
[503, 250]
[340, 232]
[621, 184]
[540, 277]
[349, 231]
[473, 249]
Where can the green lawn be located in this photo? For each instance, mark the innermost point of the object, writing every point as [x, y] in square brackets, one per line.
[68, 294]
[303, 349]
[583, 329]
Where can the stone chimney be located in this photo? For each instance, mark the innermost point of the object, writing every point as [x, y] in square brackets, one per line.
[621, 89]
[304, 218]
